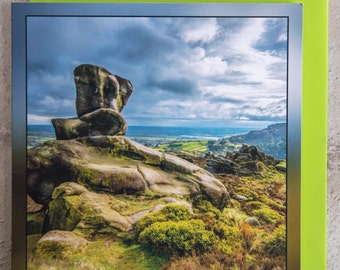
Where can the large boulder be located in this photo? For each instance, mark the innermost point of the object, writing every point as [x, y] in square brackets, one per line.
[100, 97]
[100, 122]
[74, 208]
[117, 165]
[56, 244]
[98, 88]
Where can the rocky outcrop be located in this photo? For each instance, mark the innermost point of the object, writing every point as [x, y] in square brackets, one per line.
[100, 97]
[94, 181]
[75, 208]
[117, 165]
[247, 161]
[271, 140]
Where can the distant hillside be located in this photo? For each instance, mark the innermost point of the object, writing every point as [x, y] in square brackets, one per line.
[271, 140]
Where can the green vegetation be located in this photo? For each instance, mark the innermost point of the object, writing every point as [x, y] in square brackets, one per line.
[103, 253]
[182, 237]
[275, 244]
[170, 212]
[249, 233]
[267, 215]
[187, 147]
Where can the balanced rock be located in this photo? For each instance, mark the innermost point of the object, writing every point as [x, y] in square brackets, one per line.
[98, 88]
[100, 97]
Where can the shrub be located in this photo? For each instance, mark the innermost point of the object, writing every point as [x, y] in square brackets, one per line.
[267, 215]
[275, 244]
[233, 217]
[174, 212]
[249, 235]
[230, 233]
[231, 239]
[180, 237]
[249, 207]
[205, 207]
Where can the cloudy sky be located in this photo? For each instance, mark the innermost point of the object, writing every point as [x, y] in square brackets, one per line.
[185, 71]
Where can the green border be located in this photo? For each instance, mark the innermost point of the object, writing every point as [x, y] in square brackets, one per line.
[314, 124]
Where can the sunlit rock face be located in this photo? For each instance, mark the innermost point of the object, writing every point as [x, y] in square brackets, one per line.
[117, 165]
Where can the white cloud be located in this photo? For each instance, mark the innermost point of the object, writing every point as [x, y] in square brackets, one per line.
[33, 119]
[282, 37]
[199, 31]
[242, 40]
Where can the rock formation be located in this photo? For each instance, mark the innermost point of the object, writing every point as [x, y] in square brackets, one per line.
[117, 165]
[100, 98]
[86, 152]
[244, 162]
[94, 193]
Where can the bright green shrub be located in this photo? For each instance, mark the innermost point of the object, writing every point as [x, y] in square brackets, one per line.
[230, 238]
[174, 212]
[180, 237]
[205, 207]
[233, 217]
[275, 244]
[230, 233]
[267, 215]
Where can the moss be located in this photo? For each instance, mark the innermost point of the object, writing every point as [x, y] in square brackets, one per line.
[102, 253]
[249, 207]
[273, 204]
[267, 215]
[179, 237]
[275, 244]
[50, 250]
[230, 233]
[205, 207]
[63, 213]
[233, 217]
[86, 175]
[246, 191]
[174, 212]
[130, 204]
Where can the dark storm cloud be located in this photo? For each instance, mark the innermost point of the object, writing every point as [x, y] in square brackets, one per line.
[182, 86]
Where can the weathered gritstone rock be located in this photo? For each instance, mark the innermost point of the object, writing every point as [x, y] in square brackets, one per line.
[55, 242]
[98, 88]
[117, 165]
[100, 97]
[252, 221]
[244, 162]
[74, 208]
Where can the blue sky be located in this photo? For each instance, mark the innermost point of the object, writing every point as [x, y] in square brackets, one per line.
[185, 71]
